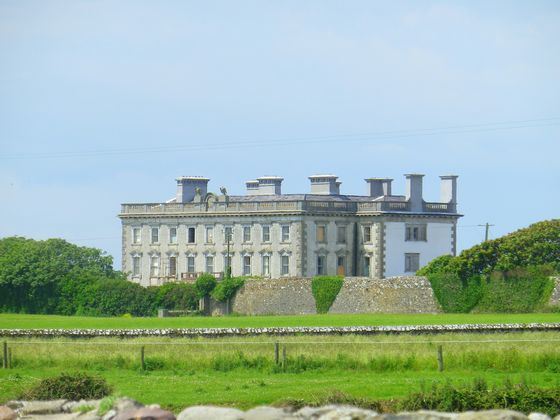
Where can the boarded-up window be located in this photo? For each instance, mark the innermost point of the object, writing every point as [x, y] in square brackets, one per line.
[321, 233]
[341, 234]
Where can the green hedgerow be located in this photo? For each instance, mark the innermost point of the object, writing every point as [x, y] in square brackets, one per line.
[75, 387]
[227, 288]
[325, 290]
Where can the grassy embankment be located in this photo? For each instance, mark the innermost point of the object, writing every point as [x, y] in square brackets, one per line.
[241, 371]
[55, 321]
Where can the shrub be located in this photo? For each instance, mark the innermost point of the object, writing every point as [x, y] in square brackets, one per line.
[73, 387]
[325, 290]
[205, 284]
[478, 396]
[227, 288]
[455, 295]
[178, 296]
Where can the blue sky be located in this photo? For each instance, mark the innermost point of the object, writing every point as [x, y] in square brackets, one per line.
[104, 102]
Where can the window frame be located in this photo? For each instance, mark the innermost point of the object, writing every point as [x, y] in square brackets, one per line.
[367, 234]
[416, 232]
[321, 227]
[285, 237]
[246, 233]
[173, 238]
[285, 272]
[155, 268]
[136, 239]
[266, 228]
[409, 259]
[136, 269]
[209, 234]
[267, 265]
[189, 259]
[172, 273]
[152, 230]
[206, 265]
[245, 271]
[344, 236]
[189, 230]
[321, 265]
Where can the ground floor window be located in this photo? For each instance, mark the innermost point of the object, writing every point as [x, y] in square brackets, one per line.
[285, 265]
[321, 265]
[411, 262]
[366, 266]
[209, 264]
[154, 266]
[136, 265]
[266, 265]
[340, 266]
[247, 265]
[173, 266]
[190, 264]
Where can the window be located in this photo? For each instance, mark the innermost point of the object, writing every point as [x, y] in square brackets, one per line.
[155, 235]
[136, 232]
[367, 234]
[247, 265]
[285, 233]
[228, 234]
[136, 265]
[321, 265]
[190, 235]
[266, 233]
[321, 233]
[209, 234]
[285, 265]
[366, 266]
[173, 235]
[190, 264]
[246, 233]
[154, 266]
[266, 265]
[341, 234]
[227, 263]
[209, 264]
[415, 232]
[172, 266]
[411, 262]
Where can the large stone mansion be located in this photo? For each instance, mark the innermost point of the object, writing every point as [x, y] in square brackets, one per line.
[270, 234]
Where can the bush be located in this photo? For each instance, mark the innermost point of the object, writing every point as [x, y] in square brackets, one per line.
[455, 295]
[205, 284]
[66, 386]
[325, 290]
[177, 296]
[227, 288]
[478, 396]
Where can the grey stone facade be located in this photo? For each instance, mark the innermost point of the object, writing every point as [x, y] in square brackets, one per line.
[275, 235]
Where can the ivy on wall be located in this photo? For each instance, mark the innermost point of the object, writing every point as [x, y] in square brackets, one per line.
[325, 290]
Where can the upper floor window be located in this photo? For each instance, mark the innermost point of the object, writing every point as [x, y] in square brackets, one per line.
[321, 233]
[266, 233]
[173, 235]
[246, 233]
[285, 233]
[416, 232]
[191, 235]
[228, 234]
[367, 234]
[155, 235]
[136, 265]
[341, 234]
[411, 263]
[209, 234]
[136, 235]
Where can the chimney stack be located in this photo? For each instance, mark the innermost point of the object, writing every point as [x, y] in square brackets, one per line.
[378, 187]
[252, 187]
[187, 185]
[268, 185]
[413, 192]
[448, 189]
[325, 184]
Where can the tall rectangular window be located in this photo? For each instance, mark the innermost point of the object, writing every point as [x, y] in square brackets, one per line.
[154, 266]
[190, 264]
[209, 264]
[285, 233]
[321, 233]
[209, 234]
[367, 266]
[415, 232]
[172, 266]
[266, 233]
[367, 234]
[136, 235]
[136, 265]
[173, 235]
[247, 265]
[155, 235]
[411, 262]
[191, 235]
[228, 235]
[227, 262]
[285, 265]
[246, 233]
[341, 234]
[266, 265]
[321, 265]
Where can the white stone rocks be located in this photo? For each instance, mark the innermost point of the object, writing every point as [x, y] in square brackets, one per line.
[210, 412]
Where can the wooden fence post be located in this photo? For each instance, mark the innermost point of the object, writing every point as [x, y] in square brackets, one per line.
[143, 363]
[276, 353]
[284, 357]
[440, 358]
[5, 358]
[10, 358]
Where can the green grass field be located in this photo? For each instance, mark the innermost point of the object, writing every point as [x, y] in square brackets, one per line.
[54, 321]
[242, 372]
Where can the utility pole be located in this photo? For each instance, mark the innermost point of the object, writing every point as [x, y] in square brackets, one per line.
[487, 230]
[228, 267]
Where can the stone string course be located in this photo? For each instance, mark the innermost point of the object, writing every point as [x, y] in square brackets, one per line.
[277, 331]
[128, 409]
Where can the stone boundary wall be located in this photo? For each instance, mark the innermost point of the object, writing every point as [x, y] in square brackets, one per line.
[410, 294]
[277, 331]
[555, 296]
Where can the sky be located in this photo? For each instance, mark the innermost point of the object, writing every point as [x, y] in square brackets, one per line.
[107, 102]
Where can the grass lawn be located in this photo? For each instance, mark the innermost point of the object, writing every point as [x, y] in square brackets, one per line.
[241, 372]
[55, 321]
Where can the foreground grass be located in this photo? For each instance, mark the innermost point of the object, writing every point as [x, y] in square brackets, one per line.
[331, 320]
[241, 372]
